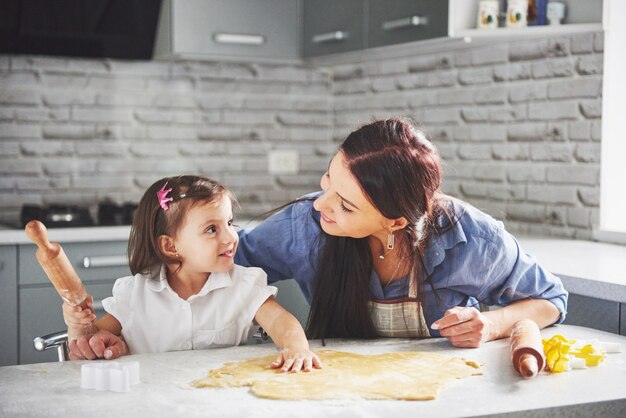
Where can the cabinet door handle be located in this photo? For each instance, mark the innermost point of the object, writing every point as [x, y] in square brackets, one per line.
[105, 261]
[405, 22]
[238, 38]
[330, 37]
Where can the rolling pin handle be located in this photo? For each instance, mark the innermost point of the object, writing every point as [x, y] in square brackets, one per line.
[37, 233]
[528, 366]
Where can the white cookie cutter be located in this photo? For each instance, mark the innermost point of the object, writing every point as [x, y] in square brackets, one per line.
[109, 375]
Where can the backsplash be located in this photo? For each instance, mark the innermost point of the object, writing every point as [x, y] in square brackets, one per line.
[518, 124]
[79, 131]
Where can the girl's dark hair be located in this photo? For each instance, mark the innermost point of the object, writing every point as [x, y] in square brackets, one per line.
[399, 171]
[150, 220]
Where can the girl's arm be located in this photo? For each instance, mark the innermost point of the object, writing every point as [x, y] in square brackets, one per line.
[103, 339]
[83, 321]
[288, 335]
[467, 327]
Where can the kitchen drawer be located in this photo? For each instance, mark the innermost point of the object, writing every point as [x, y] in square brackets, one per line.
[333, 26]
[593, 313]
[8, 305]
[396, 21]
[107, 261]
[40, 314]
[241, 28]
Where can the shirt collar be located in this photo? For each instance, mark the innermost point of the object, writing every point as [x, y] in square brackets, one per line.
[439, 242]
[158, 282]
[216, 280]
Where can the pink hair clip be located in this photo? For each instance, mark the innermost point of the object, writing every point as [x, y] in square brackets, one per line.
[163, 196]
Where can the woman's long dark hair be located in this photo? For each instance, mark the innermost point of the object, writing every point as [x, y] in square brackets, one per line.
[399, 171]
[150, 221]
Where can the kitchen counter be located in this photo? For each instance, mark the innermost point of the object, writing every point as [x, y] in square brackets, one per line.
[587, 268]
[53, 389]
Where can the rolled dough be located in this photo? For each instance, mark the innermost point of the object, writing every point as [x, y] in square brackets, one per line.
[399, 375]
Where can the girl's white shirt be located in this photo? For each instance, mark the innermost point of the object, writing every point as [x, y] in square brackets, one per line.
[155, 319]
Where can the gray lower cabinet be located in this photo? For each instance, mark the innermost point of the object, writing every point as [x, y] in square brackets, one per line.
[98, 264]
[333, 26]
[622, 321]
[397, 21]
[593, 313]
[8, 305]
[40, 314]
[291, 298]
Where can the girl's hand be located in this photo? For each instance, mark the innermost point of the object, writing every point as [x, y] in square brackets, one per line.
[77, 317]
[465, 327]
[292, 360]
[102, 344]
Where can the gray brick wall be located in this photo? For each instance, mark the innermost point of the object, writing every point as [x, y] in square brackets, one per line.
[518, 124]
[78, 131]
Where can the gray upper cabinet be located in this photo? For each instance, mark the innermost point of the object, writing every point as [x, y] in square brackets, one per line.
[397, 21]
[229, 28]
[333, 26]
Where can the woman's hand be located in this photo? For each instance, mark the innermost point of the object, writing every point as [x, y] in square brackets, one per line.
[294, 360]
[465, 327]
[102, 344]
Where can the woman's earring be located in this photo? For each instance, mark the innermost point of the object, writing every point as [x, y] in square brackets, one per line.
[390, 241]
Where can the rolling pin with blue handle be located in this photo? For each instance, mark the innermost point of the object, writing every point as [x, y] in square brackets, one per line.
[59, 270]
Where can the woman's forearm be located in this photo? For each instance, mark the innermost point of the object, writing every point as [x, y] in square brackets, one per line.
[542, 311]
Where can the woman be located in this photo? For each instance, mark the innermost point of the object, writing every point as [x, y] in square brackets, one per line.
[382, 252]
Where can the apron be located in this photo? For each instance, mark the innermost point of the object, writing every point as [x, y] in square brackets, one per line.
[400, 318]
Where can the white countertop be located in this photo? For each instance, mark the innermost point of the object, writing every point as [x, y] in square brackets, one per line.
[53, 389]
[586, 268]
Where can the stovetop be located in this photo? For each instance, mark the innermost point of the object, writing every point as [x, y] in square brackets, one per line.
[68, 216]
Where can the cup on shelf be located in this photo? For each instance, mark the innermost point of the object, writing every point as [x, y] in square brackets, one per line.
[555, 12]
[516, 13]
[488, 14]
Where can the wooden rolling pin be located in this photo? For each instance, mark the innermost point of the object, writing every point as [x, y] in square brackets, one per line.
[59, 270]
[526, 348]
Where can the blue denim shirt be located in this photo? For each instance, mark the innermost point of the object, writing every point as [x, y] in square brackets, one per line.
[475, 259]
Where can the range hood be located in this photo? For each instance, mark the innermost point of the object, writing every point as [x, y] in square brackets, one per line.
[122, 29]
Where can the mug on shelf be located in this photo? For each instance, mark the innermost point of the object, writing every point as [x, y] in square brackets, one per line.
[555, 12]
[488, 14]
[516, 13]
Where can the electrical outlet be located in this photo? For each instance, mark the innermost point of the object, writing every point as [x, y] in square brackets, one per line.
[283, 161]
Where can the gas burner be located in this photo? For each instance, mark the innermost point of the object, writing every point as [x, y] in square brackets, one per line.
[70, 216]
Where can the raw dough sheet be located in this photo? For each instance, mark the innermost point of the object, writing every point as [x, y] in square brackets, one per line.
[399, 375]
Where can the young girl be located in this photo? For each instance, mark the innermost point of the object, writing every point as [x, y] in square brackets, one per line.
[186, 292]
